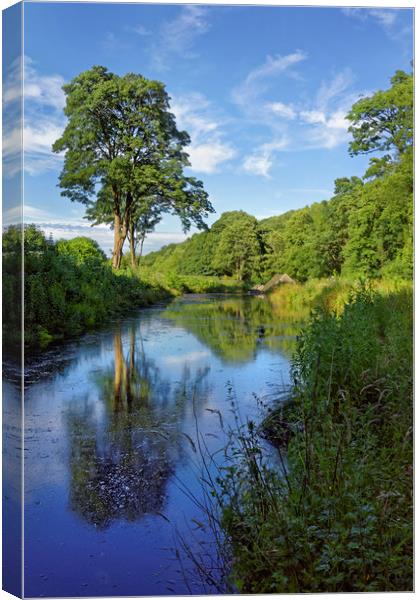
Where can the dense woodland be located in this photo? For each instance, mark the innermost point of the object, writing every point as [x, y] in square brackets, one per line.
[366, 228]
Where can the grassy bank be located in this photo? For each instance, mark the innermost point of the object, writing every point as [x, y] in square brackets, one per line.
[188, 284]
[339, 517]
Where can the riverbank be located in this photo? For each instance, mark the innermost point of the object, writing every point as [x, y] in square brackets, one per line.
[339, 519]
[70, 288]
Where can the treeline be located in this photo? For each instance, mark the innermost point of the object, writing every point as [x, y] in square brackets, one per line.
[69, 287]
[366, 228]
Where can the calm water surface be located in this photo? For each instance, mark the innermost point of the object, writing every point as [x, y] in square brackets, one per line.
[110, 441]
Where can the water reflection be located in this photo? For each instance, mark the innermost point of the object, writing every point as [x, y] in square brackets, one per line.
[236, 328]
[120, 464]
[110, 434]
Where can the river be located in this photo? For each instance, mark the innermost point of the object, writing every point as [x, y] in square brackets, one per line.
[112, 424]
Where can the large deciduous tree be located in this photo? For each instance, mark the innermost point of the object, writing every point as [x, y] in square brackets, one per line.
[124, 155]
[384, 121]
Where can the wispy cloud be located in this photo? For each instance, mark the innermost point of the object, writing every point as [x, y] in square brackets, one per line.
[250, 98]
[177, 37]
[140, 30]
[386, 18]
[279, 109]
[44, 119]
[44, 90]
[12, 119]
[325, 121]
[208, 149]
[114, 43]
[261, 161]
[321, 122]
[259, 79]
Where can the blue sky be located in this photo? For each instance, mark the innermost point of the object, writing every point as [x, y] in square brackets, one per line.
[262, 91]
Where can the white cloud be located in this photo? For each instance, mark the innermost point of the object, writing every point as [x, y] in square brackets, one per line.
[206, 158]
[140, 30]
[12, 90]
[12, 148]
[178, 36]
[258, 80]
[285, 111]
[330, 90]
[208, 149]
[387, 19]
[12, 216]
[275, 115]
[312, 116]
[38, 138]
[261, 161]
[44, 119]
[274, 65]
[258, 164]
[325, 122]
[320, 123]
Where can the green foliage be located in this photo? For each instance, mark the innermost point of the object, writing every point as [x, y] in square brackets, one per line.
[237, 248]
[69, 287]
[82, 249]
[384, 121]
[366, 228]
[121, 137]
[339, 517]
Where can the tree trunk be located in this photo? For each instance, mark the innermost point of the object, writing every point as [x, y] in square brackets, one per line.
[119, 240]
[141, 245]
[132, 247]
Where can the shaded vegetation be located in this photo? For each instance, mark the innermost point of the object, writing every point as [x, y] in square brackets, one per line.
[339, 518]
[69, 287]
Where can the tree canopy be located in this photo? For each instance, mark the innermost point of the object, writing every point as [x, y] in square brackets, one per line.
[384, 121]
[124, 153]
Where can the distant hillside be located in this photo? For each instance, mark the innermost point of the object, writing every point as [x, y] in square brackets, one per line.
[364, 229]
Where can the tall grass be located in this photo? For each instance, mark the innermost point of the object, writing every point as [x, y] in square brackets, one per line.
[339, 516]
[177, 284]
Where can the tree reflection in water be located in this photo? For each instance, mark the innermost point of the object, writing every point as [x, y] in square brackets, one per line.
[120, 465]
[237, 328]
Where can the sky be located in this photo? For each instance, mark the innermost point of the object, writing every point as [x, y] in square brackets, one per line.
[262, 91]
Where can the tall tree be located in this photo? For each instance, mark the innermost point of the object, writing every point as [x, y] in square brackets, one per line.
[121, 145]
[383, 122]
